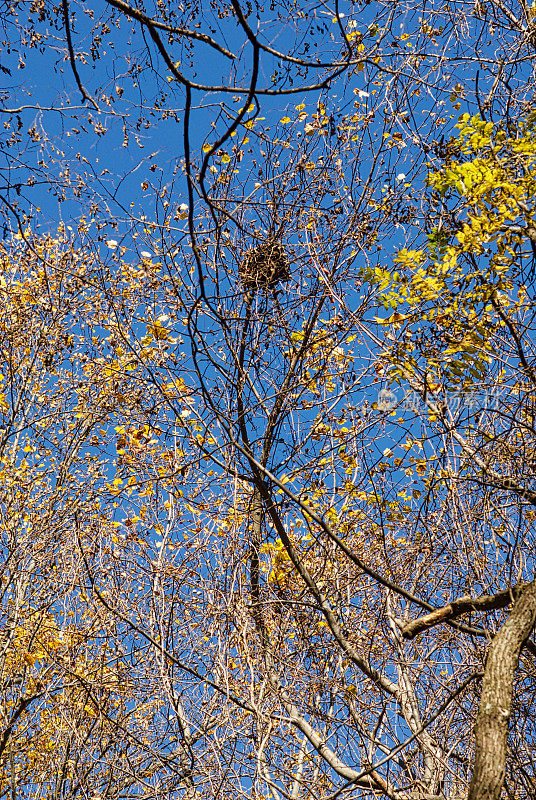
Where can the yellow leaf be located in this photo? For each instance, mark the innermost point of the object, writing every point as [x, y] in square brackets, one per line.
[225, 158]
[284, 120]
[159, 332]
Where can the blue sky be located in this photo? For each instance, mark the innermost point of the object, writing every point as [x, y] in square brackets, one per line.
[118, 166]
[123, 166]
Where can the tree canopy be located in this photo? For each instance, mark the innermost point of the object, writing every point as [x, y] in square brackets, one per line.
[268, 372]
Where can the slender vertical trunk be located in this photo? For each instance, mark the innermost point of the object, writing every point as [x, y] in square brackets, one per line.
[491, 727]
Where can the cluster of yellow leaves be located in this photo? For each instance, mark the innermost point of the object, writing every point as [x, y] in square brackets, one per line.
[454, 282]
[496, 177]
[50, 683]
[279, 565]
[70, 391]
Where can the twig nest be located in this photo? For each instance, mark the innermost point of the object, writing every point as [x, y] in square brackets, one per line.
[264, 266]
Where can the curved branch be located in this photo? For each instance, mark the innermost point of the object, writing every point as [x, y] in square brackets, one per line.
[462, 605]
[145, 20]
[371, 672]
[74, 68]
[151, 26]
[283, 56]
[340, 542]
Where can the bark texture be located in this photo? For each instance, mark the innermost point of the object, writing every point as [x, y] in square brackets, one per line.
[491, 727]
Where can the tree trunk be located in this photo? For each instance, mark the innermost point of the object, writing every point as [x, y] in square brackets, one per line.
[491, 727]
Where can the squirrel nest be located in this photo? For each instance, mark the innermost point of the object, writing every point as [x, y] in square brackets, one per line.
[264, 266]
